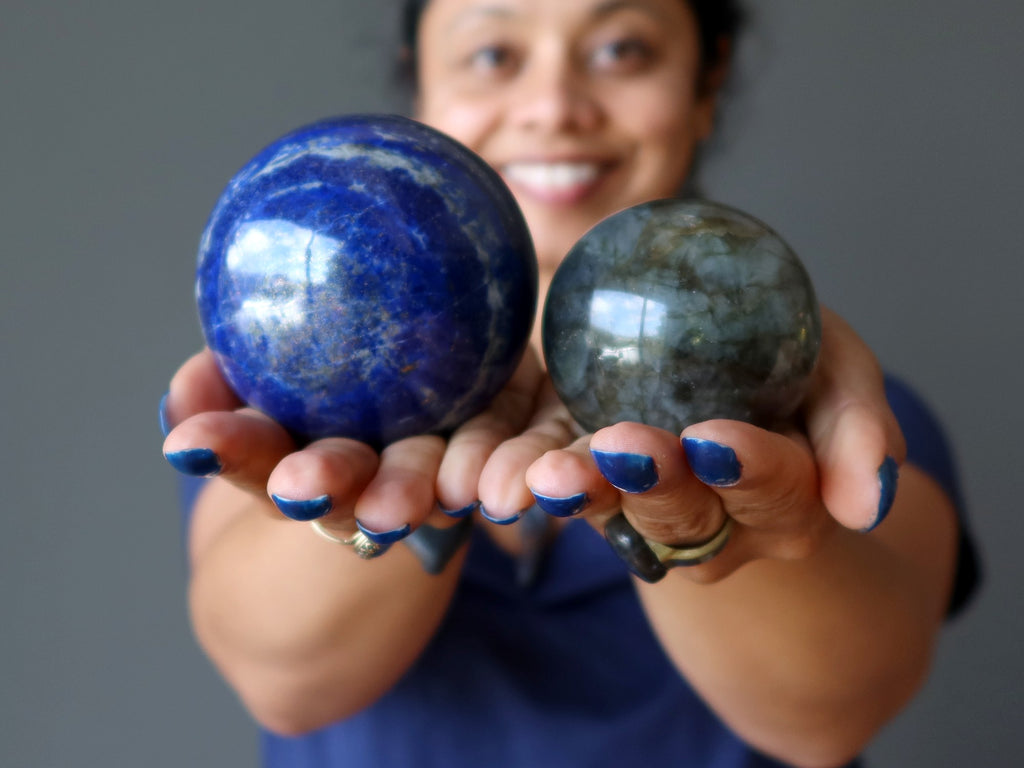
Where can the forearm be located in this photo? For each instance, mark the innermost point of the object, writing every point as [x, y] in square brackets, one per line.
[304, 630]
[808, 659]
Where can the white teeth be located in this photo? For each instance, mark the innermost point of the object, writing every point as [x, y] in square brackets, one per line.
[554, 176]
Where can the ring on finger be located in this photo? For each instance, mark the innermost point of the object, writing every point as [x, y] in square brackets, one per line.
[694, 554]
[359, 541]
[651, 560]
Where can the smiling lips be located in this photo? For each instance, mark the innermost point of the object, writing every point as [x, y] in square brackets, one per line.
[554, 182]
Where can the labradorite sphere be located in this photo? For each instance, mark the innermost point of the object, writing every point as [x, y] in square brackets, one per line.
[677, 311]
[367, 277]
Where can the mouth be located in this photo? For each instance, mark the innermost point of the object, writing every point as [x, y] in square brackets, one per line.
[560, 182]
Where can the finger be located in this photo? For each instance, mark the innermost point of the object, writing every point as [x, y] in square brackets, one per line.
[472, 444]
[241, 446]
[766, 481]
[196, 387]
[855, 436]
[660, 496]
[503, 490]
[323, 481]
[566, 482]
[401, 494]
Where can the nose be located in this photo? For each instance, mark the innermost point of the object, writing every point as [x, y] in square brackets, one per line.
[554, 95]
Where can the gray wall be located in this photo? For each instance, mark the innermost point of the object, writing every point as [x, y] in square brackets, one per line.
[882, 140]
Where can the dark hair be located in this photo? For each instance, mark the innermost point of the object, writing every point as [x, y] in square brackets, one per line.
[717, 20]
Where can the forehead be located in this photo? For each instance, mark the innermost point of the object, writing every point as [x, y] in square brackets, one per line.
[455, 12]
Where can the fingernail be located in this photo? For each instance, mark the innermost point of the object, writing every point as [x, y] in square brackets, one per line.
[165, 424]
[629, 472]
[200, 462]
[303, 509]
[712, 463]
[561, 506]
[385, 538]
[888, 480]
[465, 511]
[501, 520]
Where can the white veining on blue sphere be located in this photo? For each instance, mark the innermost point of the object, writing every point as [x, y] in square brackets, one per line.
[383, 159]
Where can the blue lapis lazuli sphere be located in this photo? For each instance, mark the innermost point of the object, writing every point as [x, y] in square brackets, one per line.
[674, 312]
[367, 277]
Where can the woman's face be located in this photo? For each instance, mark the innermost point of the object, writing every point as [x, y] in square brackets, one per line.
[585, 107]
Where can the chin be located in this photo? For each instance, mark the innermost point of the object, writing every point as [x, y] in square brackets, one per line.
[551, 252]
[552, 243]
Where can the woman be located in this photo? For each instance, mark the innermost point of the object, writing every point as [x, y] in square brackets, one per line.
[533, 646]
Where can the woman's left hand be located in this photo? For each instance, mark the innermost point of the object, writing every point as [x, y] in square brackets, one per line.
[785, 491]
[819, 634]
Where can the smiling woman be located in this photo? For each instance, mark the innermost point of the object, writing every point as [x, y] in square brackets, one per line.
[504, 631]
[585, 108]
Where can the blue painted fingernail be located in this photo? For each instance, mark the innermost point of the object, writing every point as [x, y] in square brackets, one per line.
[385, 538]
[461, 512]
[501, 520]
[561, 506]
[629, 472]
[712, 463]
[165, 424]
[888, 480]
[303, 509]
[199, 462]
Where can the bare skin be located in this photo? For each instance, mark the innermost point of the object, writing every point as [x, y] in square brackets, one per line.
[805, 635]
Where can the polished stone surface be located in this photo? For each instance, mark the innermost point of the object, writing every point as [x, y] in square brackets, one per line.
[367, 277]
[678, 311]
[633, 550]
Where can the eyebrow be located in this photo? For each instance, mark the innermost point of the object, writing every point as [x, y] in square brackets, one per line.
[609, 7]
[481, 11]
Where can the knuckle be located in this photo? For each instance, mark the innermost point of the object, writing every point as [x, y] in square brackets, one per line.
[803, 543]
[675, 529]
[796, 547]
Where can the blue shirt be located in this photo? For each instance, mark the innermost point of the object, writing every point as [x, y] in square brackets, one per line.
[564, 672]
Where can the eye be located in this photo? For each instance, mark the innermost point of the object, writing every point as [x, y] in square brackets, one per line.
[492, 59]
[622, 55]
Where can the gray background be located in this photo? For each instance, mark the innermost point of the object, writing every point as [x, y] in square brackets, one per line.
[881, 137]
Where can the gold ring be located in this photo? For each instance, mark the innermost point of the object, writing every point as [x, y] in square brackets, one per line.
[651, 560]
[359, 541]
[696, 554]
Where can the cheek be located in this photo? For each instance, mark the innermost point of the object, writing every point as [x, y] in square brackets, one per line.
[665, 124]
[664, 129]
[663, 108]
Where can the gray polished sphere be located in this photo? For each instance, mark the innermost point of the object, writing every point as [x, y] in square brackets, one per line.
[678, 311]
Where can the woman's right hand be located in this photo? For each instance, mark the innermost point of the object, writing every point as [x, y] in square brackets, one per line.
[339, 480]
[304, 630]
